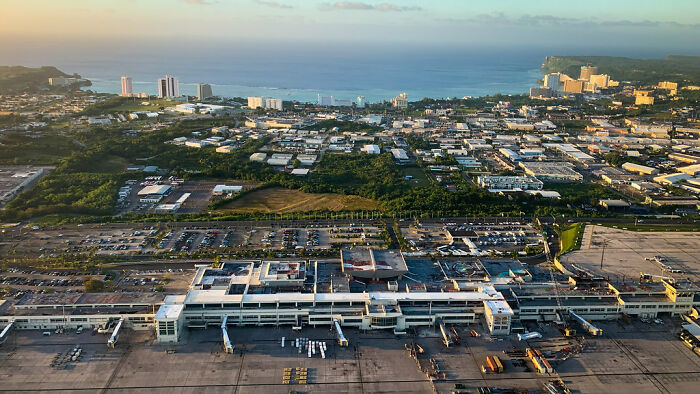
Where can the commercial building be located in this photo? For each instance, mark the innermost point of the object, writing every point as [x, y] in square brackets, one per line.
[551, 171]
[587, 72]
[643, 100]
[639, 169]
[667, 85]
[600, 81]
[372, 149]
[400, 101]
[204, 91]
[221, 190]
[573, 86]
[273, 103]
[168, 87]
[280, 159]
[400, 155]
[258, 156]
[683, 158]
[671, 179]
[510, 155]
[226, 149]
[692, 170]
[265, 102]
[543, 92]
[256, 102]
[553, 81]
[156, 189]
[509, 183]
[127, 89]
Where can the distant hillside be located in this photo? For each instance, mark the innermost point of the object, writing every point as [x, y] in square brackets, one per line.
[683, 69]
[18, 79]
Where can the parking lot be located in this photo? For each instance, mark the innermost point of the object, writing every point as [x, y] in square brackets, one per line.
[498, 239]
[18, 282]
[627, 253]
[207, 238]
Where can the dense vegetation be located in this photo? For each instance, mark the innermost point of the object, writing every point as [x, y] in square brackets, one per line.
[86, 180]
[17, 148]
[345, 126]
[18, 79]
[672, 68]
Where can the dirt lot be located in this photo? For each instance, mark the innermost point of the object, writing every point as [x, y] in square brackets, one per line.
[280, 200]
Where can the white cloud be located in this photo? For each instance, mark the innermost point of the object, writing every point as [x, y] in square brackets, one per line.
[360, 6]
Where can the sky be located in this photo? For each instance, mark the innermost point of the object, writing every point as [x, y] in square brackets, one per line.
[672, 26]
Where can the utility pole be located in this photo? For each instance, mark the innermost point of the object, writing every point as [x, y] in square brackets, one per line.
[602, 255]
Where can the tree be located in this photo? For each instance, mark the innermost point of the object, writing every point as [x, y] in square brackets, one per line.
[94, 286]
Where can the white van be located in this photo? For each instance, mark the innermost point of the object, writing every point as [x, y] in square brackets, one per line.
[47, 333]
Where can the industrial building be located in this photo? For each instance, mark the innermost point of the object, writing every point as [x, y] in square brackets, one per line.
[551, 171]
[509, 183]
[640, 169]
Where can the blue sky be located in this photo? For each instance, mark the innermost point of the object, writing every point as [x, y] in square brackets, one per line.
[672, 24]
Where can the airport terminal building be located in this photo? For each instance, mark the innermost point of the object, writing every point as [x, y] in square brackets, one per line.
[498, 295]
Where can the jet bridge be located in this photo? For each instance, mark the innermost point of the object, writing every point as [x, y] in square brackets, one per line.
[115, 335]
[228, 347]
[342, 341]
[6, 331]
[586, 325]
[446, 337]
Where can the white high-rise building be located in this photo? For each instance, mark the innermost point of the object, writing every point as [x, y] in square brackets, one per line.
[168, 87]
[256, 102]
[325, 101]
[273, 103]
[265, 102]
[361, 101]
[126, 86]
[552, 81]
[400, 101]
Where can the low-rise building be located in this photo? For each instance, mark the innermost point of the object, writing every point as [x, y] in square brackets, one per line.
[509, 183]
[551, 171]
[639, 169]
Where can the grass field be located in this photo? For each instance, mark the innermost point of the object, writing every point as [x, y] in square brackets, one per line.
[419, 177]
[571, 237]
[281, 200]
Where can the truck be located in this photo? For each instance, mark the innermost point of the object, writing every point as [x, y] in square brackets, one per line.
[494, 364]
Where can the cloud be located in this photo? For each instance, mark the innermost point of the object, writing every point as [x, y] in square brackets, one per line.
[551, 20]
[359, 6]
[273, 4]
[200, 2]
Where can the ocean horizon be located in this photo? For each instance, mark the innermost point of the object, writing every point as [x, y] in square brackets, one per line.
[301, 73]
[298, 76]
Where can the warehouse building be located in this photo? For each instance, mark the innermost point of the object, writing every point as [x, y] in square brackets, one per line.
[551, 171]
[639, 169]
[509, 183]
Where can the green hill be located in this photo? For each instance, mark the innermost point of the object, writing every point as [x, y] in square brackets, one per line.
[19, 79]
[682, 69]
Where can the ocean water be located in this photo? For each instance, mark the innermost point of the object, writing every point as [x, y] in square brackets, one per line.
[303, 75]
[238, 67]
